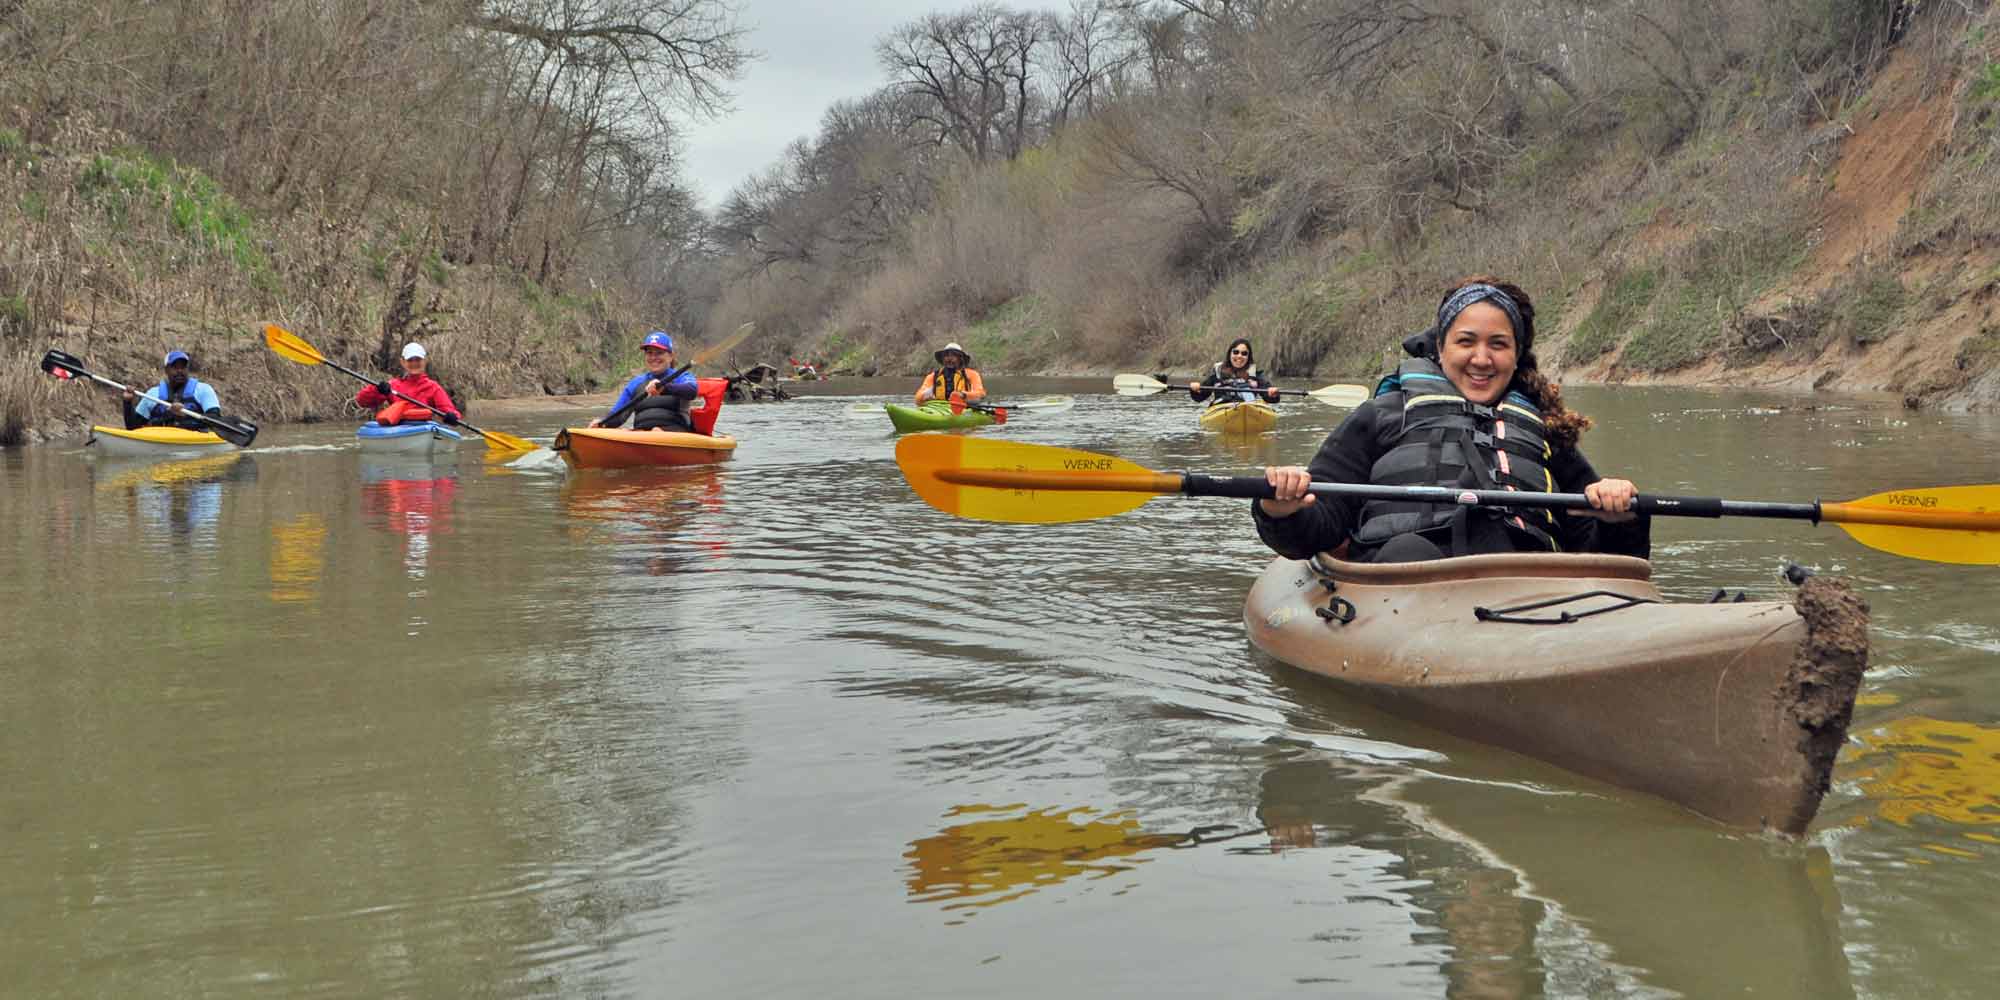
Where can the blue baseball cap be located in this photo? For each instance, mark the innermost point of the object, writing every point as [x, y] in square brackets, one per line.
[659, 340]
[173, 356]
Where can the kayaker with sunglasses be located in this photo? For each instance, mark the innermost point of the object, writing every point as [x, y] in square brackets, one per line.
[1236, 370]
[1468, 408]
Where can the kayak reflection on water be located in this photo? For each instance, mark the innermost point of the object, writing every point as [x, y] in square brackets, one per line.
[1517, 876]
[679, 509]
[411, 498]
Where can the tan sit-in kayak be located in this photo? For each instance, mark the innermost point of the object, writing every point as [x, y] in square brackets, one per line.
[1240, 418]
[155, 442]
[606, 448]
[1733, 710]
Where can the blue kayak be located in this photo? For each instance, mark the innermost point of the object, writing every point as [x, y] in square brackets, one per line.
[424, 438]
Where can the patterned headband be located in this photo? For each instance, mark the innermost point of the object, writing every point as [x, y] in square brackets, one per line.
[1458, 301]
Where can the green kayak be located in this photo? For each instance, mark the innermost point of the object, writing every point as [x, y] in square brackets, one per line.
[935, 415]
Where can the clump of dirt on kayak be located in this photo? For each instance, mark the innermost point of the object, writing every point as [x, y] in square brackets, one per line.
[1825, 673]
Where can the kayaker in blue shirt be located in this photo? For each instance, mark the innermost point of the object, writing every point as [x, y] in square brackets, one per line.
[1237, 369]
[662, 406]
[182, 393]
[1469, 409]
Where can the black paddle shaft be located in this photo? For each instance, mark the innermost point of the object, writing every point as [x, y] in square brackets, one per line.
[1255, 488]
[65, 365]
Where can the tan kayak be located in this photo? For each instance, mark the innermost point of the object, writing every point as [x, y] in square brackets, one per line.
[1733, 710]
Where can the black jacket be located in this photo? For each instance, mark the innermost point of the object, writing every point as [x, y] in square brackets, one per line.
[1348, 455]
[1216, 378]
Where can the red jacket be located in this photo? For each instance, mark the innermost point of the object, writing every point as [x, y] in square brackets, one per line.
[421, 388]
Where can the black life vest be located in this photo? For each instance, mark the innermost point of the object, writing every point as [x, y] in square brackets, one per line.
[664, 411]
[1227, 387]
[942, 382]
[1444, 439]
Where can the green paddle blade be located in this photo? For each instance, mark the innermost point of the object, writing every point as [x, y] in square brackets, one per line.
[944, 470]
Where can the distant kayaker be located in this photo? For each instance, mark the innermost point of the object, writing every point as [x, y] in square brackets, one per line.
[1236, 370]
[663, 403]
[415, 383]
[1469, 408]
[954, 378]
[182, 393]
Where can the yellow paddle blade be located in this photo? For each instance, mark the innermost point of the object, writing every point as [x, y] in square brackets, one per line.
[500, 441]
[289, 346]
[1948, 524]
[990, 480]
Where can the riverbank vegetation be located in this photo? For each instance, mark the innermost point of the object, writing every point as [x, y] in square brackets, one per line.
[494, 178]
[1797, 192]
[1689, 188]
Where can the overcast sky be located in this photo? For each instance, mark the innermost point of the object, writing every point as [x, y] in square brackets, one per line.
[815, 52]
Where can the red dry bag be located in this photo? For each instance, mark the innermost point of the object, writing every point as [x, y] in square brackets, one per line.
[707, 404]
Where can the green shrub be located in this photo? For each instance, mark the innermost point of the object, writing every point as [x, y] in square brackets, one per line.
[1618, 310]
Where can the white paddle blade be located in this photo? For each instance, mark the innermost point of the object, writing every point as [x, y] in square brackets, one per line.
[1129, 384]
[1047, 404]
[1344, 396]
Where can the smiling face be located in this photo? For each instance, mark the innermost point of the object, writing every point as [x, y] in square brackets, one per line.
[658, 360]
[413, 366]
[1478, 353]
[1239, 357]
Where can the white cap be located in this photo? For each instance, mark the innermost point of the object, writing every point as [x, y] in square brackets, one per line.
[413, 350]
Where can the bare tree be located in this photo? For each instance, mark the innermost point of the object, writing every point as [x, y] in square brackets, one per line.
[971, 72]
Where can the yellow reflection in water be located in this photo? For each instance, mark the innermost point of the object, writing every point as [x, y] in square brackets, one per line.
[993, 860]
[297, 558]
[1917, 766]
[170, 472]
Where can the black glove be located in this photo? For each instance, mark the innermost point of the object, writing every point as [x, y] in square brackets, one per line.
[383, 388]
[449, 418]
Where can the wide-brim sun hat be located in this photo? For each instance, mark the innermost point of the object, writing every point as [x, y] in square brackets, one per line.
[951, 349]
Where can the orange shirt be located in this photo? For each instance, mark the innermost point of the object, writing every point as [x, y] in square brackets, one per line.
[967, 383]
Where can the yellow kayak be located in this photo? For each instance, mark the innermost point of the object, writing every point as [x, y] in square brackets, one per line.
[1240, 418]
[155, 442]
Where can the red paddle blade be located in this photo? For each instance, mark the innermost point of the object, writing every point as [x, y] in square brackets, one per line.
[999, 414]
[957, 407]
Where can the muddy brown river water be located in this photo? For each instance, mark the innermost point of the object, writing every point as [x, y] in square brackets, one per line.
[302, 723]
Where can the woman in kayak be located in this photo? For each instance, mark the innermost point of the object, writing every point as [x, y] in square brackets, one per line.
[432, 402]
[1469, 408]
[953, 380]
[664, 406]
[182, 393]
[1236, 370]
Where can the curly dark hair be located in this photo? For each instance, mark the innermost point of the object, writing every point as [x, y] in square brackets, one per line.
[1560, 424]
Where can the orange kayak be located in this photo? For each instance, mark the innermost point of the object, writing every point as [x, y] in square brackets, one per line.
[607, 448]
